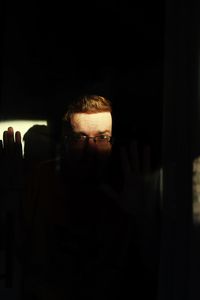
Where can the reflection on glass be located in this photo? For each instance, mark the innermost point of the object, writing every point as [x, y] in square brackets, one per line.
[19, 125]
[196, 190]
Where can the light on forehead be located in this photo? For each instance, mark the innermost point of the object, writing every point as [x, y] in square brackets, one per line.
[91, 123]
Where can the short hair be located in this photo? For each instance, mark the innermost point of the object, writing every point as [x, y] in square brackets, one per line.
[88, 104]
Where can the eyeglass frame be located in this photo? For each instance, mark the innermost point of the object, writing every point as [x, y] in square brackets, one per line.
[87, 138]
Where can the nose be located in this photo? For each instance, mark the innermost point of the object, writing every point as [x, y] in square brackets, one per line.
[91, 145]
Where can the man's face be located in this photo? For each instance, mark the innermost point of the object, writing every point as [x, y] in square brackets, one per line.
[93, 125]
[89, 153]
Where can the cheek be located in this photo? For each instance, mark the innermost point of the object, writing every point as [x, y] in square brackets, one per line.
[74, 153]
[80, 153]
[103, 151]
[76, 147]
[104, 147]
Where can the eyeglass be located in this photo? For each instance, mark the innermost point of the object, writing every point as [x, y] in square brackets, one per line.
[80, 138]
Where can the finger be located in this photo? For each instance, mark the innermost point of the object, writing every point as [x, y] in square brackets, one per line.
[147, 160]
[18, 138]
[18, 144]
[1, 148]
[125, 163]
[5, 141]
[134, 155]
[10, 140]
[10, 135]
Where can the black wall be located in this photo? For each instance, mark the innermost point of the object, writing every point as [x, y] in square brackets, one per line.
[54, 52]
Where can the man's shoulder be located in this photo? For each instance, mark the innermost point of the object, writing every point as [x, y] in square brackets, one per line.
[45, 173]
[48, 166]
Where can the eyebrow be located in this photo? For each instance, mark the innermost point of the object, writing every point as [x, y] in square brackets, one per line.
[100, 132]
[103, 132]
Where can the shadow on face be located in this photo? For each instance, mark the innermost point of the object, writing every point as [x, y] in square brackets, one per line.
[89, 143]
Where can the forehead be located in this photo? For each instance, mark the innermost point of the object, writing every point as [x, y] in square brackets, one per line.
[95, 122]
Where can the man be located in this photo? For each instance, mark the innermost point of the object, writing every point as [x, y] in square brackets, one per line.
[82, 240]
[88, 136]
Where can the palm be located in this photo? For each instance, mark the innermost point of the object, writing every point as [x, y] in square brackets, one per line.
[136, 176]
[11, 159]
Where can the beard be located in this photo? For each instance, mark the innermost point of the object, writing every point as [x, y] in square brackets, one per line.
[87, 168]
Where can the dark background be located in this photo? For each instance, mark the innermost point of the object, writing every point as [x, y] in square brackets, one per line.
[53, 52]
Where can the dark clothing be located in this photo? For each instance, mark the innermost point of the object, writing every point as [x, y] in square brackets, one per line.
[80, 243]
